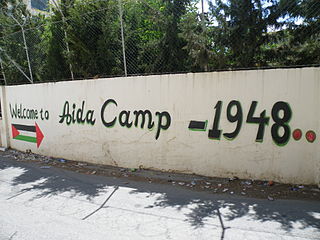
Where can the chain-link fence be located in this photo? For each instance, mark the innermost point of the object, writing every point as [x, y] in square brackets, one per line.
[104, 38]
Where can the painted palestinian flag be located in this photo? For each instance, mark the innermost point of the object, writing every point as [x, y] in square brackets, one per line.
[27, 133]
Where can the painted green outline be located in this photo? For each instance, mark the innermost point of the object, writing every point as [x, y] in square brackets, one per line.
[82, 124]
[229, 139]
[200, 130]
[112, 126]
[150, 129]
[217, 139]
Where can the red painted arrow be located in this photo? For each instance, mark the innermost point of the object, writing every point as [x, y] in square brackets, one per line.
[39, 135]
[36, 129]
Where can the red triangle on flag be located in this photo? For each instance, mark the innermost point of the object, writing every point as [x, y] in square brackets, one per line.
[15, 132]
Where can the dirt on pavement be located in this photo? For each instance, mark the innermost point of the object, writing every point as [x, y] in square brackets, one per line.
[246, 187]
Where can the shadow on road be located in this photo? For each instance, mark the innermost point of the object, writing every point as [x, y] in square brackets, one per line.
[204, 204]
[261, 210]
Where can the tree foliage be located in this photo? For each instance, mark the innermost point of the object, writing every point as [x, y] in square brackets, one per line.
[84, 37]
[15, 20]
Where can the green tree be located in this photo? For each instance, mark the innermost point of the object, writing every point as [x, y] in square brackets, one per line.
[242, 28]
[172, 55]
[152, 36]
[54, 46]
[94, 36]
[196, 31]
[298, 42]
[15, 19]
[142, 34]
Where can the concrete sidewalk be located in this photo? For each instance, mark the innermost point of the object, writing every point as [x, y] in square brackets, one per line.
[51, 203]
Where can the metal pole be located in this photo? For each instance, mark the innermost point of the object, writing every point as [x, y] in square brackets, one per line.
[202, 14]
[122, 39]
[27, 53]
[67, 46]
[203, 28]
[65, 36]
[2, 69]
[25, 46]
[202, 7]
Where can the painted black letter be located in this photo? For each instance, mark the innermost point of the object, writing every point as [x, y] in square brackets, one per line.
[113, 122]
[125, 123]
[143, 114]
[65, 115]
[160, 126]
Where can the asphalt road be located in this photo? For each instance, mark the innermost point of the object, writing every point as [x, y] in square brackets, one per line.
[51, 203]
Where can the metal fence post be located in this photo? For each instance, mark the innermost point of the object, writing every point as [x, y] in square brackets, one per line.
[2, 70]
[65, 36]
[122, 40]
[27, 53]
[25, 46]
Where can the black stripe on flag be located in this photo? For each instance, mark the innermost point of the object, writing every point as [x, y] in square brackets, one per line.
[25, 127]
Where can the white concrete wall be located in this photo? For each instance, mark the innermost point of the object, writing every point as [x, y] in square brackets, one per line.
[4, 131]
[184, 97]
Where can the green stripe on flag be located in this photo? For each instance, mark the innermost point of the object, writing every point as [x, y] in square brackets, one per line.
[26, 138]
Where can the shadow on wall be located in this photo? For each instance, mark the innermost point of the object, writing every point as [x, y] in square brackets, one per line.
[206, 204]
